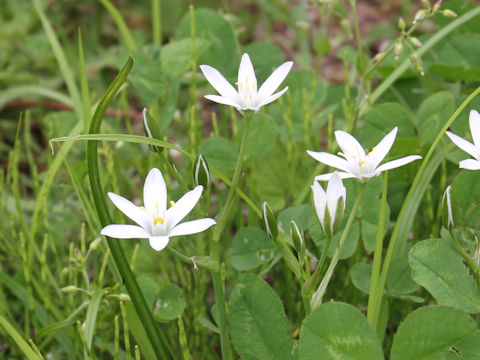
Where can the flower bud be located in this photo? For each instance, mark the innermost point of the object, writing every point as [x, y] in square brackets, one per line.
[95, 244]
[426, 4]
[201, 173]
[151, 129]
[417, 62]
[420, 15]
[447, 209]
[415, 41]
[297, 238]
[401, 24]
[449, 13]
[330, 205]
[269, 221]
[397, 50]
[378, 57]
[69, 289]
[120, 297]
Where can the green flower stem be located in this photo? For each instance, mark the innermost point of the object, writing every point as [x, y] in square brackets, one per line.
[468, 259]
[215, 246]
[311, 283]
[318, 295]
[223, 216]
[172, 170]
[400, 227]
[374, 299]
[158, 343]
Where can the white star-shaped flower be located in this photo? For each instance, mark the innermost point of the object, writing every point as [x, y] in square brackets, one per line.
[468, 147]
[247, 97]
[155, 222]
[355, 163]
[330, 204]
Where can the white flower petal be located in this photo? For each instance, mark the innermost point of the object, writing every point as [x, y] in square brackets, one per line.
[463, 144]
[379, 152]
[343, 175]
[397, 163]
[182, 207]
[222, 100]
[274, 80]
[192, 227]
[474, 121]
[330, 160]
[158, 242]
[335, 188]
[470, 164]
[155, 192]
[350, 146]
[140, 216]
[245, 70]
[125, 232]
[272, 98]
[320, 201]
[219, 82]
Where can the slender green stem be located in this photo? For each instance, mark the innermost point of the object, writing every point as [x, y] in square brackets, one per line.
[158, 342]
[356, 27]
[468, 259]
[311, 283]
[157, 21]
[215, 246]
[223, 217]
[400, 226]
[121, 25]
[318, 295]
[374, 298]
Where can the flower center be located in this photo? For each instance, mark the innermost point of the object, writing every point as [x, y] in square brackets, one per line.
[247, 88]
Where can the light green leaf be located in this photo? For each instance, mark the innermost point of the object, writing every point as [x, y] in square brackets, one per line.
[437, 333]
[262, 136]
[257, 320]
[219, 153]
[433, 114]
[437, 266]
[251, 248]
[170, 303]
[338, 331]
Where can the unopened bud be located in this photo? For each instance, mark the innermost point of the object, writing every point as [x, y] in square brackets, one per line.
[426, 4]
[449, 13]
[378, 57]
[417, 62]
[397, 50]
[401, 24]
[201, 173]
[297, 238]
[120, 297]
[436, 7]
[69, 289]
[420, 15]
[95, 244]
[448, 209]
[415, 41]
[151, 129]
[269, 221]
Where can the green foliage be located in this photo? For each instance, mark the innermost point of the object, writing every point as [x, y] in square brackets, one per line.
[259, 328]
[338, 331]
[436, 332]
[439, 268]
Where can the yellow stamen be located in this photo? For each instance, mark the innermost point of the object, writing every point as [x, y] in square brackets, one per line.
[172, 203]
[341, 154]
[158, 220]
[142, 207]
[360, 163]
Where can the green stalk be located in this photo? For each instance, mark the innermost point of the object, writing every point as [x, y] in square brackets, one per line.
[402, 225]
[121, 25]
[215, 246]
[318, 295]
[115, 248]
[157, 21]
[374, 299]
[470, 262]
[311, 283]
